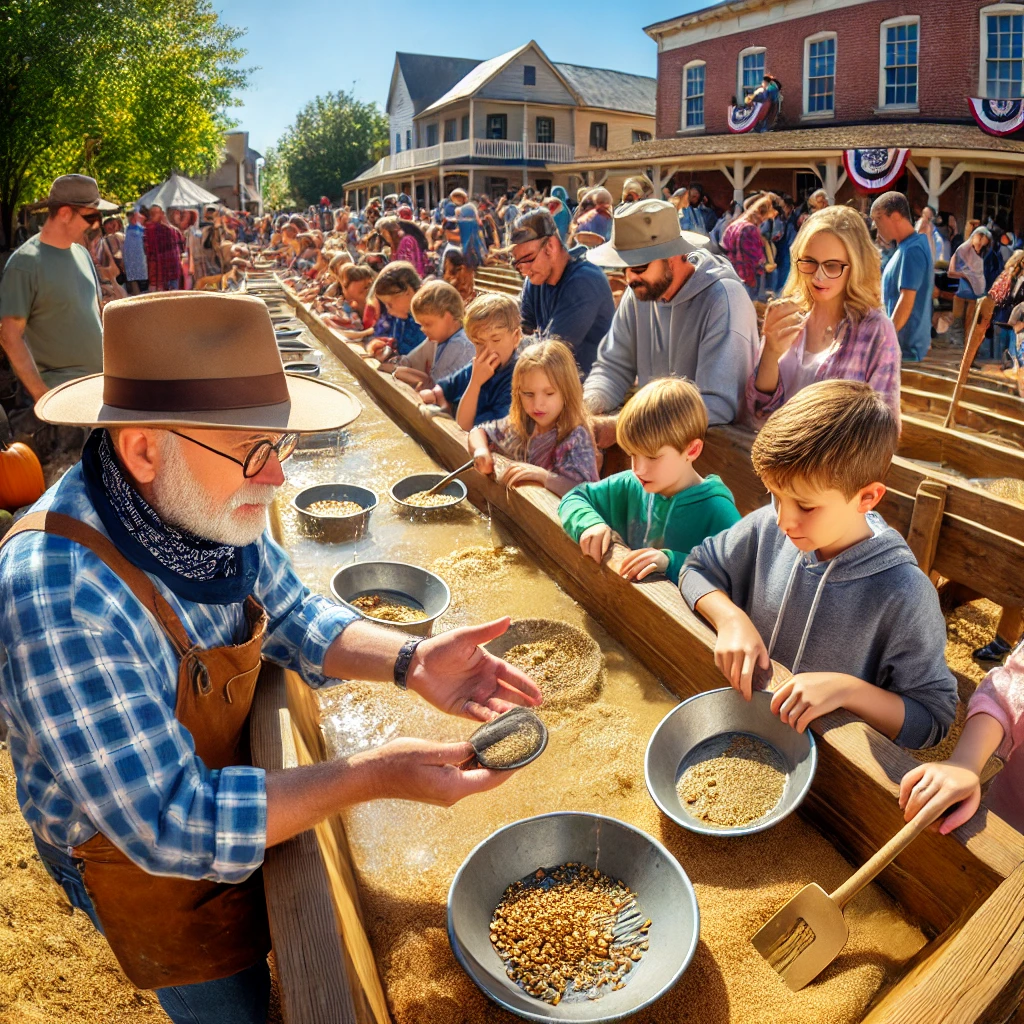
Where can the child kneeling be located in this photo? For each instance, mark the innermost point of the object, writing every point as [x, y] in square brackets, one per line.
[547, 430]
[818, 581]
[662, 507]
[437, 308]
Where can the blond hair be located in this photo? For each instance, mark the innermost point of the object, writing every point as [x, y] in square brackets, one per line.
[436, 298]
[835, 434]
[863, 282]
[555, 359]
[338, 261]
[489, 312]
[665, 411]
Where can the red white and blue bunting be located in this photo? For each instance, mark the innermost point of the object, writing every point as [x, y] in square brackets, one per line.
[742, 118]
[998, 117]
[874, 170]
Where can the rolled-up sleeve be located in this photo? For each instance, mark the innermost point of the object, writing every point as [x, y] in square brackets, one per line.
[302, 624]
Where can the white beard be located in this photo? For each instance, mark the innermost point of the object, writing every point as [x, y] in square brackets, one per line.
[182, 501]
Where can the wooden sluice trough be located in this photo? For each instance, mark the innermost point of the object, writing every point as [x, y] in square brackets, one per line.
[965, 891]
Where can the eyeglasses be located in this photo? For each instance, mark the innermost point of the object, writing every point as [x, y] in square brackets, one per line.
[530, 256]
[258, 455]
[831, 268]
[92, 218]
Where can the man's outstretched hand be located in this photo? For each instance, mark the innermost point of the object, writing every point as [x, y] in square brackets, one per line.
[453, 672]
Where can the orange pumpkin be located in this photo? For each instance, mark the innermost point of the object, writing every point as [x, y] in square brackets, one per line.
[21, 476]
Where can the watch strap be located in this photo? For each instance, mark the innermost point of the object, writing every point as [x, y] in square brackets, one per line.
[404, 660]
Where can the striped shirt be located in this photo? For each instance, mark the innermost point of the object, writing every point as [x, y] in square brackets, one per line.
[89, 685]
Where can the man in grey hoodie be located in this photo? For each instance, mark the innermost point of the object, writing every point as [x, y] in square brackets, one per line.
[826, 584]
[685, 314]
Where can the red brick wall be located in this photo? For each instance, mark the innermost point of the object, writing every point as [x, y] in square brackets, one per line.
[947, 63]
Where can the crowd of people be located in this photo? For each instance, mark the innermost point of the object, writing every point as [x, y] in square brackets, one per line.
[174, 579]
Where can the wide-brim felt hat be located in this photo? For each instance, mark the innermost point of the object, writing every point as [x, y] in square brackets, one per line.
[643, 232]
[196, 359]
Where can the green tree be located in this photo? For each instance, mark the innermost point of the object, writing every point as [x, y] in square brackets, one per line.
[124, 90]
[277, 194]
[334, 137]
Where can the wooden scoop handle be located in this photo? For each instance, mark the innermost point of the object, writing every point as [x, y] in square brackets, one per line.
[877, 863]
[450, 477]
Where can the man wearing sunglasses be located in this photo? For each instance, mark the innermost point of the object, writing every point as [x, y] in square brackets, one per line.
[684, 314]
[49, 298]
[137, 600]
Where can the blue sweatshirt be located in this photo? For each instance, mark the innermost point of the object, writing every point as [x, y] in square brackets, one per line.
[869, 612]
[495, 394]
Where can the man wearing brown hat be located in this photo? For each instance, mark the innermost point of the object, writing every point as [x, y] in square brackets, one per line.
[49, 296]
[137, 598]
[684, 314]
[564, 296]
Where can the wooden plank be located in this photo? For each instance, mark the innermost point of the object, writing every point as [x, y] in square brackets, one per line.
[970, 454]
[311, 966]
[975, 336]
[970, 415]
[939, 878]
[977, 975]
[1005, 400]
[926, 522]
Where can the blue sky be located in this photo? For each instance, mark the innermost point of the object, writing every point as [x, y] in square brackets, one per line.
[330, 47]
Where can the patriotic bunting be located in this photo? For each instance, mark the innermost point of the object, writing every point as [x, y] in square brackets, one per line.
[742, 118]
[874, 170]
[998, 117]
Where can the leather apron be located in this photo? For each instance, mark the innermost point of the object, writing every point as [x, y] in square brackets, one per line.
[167, 930]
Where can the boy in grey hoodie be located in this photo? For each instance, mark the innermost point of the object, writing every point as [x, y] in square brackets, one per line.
[819, 582]
[685, 314]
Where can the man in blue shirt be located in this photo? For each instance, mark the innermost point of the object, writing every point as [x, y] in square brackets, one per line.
[909, 277]
[564, 295]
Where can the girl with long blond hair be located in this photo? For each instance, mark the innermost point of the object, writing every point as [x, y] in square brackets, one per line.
[547, 431]
[829, 322]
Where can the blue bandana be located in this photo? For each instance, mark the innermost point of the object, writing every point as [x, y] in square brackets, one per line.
[195, 569]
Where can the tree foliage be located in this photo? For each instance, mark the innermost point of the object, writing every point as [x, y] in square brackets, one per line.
[124, 90]
[277, 193]
[333, 138]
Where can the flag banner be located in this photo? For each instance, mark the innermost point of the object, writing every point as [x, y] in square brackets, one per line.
[997, 117]
[743, 118]
[874, 170]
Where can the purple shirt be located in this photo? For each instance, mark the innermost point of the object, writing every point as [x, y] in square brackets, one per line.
[573, 457]
[866, 348]
[742, 245]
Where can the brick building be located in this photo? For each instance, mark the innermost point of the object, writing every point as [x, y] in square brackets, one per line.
[854, 74]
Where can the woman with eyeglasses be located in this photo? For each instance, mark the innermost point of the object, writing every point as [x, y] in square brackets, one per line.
[829, 322]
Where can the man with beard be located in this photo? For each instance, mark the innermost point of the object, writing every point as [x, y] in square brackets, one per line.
[684, 314]
[137, 598]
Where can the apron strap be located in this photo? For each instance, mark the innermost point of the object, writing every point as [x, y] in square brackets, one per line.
[102, 547]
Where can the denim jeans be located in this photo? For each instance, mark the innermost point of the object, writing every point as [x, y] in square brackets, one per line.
[241, 999]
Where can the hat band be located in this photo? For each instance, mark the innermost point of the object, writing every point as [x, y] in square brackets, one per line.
[196, 394]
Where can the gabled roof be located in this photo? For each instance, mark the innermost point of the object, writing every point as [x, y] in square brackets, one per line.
[484, 72]
[427, 77]
[611, 90]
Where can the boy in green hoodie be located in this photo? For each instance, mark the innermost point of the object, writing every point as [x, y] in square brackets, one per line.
[662, 507]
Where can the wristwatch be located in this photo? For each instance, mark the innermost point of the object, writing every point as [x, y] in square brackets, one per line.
[404, 659]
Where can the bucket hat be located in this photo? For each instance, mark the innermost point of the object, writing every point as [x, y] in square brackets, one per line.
[643, 232]
[198, 359]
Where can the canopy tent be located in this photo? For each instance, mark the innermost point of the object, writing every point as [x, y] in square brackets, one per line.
[178, 191]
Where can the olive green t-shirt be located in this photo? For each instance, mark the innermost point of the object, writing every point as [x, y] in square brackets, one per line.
[55, 292]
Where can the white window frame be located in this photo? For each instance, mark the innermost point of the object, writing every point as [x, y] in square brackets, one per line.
[819, 115]
[907, 19]
[983, 40]
[748, 52]
[683, 127]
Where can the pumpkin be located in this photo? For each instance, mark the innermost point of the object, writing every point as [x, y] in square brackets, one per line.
[21, 476]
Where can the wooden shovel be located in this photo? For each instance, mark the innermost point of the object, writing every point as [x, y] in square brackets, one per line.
[809, 932]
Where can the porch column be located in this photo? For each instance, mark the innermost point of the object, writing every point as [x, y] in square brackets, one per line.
[526, 145]
[833, 179]
[737, 181]
[440, 165]
[472, 177]
[934, 182]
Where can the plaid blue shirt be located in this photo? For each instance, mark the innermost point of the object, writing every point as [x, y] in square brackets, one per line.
[89, 686]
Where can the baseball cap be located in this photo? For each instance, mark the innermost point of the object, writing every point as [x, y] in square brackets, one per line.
[532, 226]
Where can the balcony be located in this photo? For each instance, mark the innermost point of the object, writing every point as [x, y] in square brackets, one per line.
[479, 149]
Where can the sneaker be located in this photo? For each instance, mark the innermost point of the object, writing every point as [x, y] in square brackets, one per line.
[992, 653]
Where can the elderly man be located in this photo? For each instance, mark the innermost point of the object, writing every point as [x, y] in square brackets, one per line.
[684, 314]
[134, 641]
[564, 296]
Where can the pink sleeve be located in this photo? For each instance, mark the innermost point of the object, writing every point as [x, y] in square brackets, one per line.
[1001, 696]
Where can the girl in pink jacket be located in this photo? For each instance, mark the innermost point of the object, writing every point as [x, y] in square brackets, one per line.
[995, 725]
